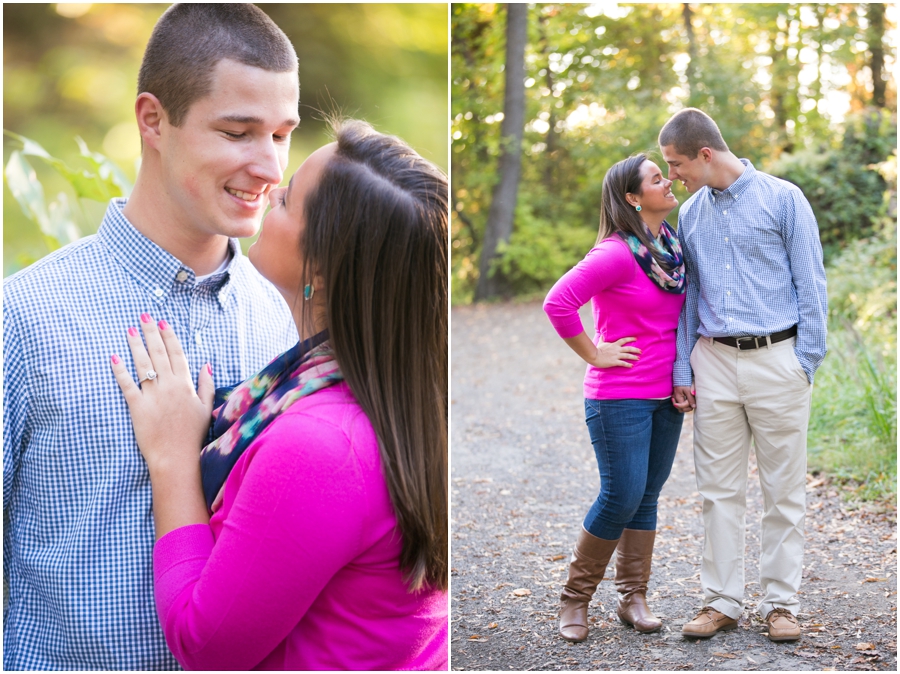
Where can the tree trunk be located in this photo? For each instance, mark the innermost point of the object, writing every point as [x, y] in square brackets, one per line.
[875, 15]
[550, 155]
[503, 205]
[693, 94]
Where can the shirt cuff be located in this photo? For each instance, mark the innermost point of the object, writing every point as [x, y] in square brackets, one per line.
[682, 374]
[807, 366]
[178, 559]
[567, 326]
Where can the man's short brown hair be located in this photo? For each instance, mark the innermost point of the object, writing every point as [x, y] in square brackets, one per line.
[689, 130]
[190, 39]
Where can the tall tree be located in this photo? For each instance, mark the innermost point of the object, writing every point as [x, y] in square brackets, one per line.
[875, 15]
[688, 16]
[512, 129]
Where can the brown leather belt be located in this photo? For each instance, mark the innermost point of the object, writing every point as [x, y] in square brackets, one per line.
[748, 343]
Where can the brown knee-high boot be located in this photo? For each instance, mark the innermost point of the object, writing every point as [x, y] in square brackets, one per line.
[586, 570]
[632, 573]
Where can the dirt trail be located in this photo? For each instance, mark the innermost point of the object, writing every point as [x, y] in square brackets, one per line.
[523, 475]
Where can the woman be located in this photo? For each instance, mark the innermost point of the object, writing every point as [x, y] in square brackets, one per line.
[318, 539]
[634, 277]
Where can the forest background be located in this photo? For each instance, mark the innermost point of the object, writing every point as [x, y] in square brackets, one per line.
[70, 70]
[546, 97]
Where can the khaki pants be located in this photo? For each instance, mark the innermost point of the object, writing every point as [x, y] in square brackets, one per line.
[763, 393]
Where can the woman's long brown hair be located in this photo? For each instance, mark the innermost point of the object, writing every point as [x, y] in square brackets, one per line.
[616, 214]
[376, 233]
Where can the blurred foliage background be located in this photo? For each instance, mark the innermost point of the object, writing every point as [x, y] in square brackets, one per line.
[805, 91]
[71, 70]
[790, 85]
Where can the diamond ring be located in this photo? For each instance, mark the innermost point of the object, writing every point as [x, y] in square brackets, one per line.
[151, 375]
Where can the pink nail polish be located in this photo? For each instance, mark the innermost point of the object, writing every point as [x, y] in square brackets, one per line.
[133, 332]
[163, 325]
[209, 369]
[145, 318]
[115, 359]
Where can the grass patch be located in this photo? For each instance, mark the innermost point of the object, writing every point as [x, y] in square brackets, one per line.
[853, 426]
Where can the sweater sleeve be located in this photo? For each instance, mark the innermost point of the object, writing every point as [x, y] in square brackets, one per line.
[296, 520]
[607, 264]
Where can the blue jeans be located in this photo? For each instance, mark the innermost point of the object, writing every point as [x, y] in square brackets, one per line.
[635, 443]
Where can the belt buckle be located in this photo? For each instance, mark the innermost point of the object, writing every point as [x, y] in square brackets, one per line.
[738, 340]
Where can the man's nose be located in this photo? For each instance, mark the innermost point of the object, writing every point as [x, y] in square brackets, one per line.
[268, 161]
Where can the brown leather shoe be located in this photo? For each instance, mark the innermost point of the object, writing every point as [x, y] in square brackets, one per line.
[708, 622]
[633, 560]
[783, 625]
[586, 570]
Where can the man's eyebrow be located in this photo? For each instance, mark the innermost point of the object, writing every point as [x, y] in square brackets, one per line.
[250, 119]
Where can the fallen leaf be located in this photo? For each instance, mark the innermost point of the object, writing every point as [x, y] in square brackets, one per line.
[492, 626]
[874, 580]
[556, 558]
[865, 647]
[724, 655]
[522, 592]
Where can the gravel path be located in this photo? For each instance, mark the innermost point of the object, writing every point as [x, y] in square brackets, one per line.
[523, 475]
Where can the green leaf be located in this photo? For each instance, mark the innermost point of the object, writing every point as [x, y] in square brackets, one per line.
[108, 171]
[56, 222]
[29, 146]
[86, 185]
[26, 188]
[62, 220]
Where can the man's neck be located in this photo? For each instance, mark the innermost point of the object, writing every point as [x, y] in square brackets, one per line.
[202, 252]
[728, 169]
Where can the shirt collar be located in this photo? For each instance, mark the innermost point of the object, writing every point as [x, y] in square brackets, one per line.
[154, 268]
[739, 186]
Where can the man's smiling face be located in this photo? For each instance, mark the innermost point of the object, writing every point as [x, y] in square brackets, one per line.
[231, 149]
[693, 173]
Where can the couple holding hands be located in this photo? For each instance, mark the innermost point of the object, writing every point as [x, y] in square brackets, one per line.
[306, 527]
[726, 318]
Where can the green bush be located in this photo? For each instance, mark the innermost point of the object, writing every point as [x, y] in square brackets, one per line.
[540, 250]
[843, 184]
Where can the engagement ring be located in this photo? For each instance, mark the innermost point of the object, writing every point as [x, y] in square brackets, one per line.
[151, 374]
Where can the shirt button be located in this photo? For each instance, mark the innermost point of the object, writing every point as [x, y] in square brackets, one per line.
[728, 292]
[197, 339]
[182, 275]
[724, 212]
[159, 292]
[727, 266]
[730, 318]
[726, 238]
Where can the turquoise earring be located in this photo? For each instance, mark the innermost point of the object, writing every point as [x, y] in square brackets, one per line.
[308, 291]
[637, 208]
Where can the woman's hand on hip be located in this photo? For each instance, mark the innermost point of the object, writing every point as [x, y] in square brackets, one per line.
[169, 416]
[616, 354]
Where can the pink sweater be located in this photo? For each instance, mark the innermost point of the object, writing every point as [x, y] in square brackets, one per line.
[626, 303]
[299, 567]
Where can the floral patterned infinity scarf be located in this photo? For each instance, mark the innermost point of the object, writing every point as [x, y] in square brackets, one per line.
[241, 413]
[669, 247]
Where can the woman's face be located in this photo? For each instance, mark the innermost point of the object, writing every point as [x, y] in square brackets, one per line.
[276, 254]
[656, 192]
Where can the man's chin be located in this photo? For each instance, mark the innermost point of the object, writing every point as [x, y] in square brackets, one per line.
[245, 229]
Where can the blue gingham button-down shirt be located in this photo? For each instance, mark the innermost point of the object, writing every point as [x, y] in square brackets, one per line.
[754, 267]
[77, 549]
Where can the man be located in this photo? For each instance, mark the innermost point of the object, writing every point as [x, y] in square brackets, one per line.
[217, 102]
[752, 334]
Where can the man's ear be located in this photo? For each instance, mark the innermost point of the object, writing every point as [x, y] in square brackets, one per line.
[706, 154]
[150, 115]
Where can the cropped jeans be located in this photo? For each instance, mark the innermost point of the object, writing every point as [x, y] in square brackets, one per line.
[635, 443]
